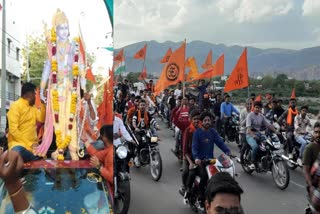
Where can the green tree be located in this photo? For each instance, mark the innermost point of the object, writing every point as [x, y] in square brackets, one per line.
[37, 49]
[133, 77]
[267, 81]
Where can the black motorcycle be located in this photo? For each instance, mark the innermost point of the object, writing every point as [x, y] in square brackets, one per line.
[149, 153]
[122, 178]
[232, 128]
[270, 158]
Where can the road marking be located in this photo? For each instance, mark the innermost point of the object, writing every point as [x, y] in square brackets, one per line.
[297, 184]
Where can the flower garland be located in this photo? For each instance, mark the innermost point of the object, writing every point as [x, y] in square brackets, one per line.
[62, 144]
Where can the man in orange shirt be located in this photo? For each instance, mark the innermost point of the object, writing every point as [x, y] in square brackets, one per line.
[103, 159]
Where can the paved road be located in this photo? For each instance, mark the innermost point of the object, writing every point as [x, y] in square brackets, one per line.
[261, 195]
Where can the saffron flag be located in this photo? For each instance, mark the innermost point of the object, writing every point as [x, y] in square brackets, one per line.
[119, 56]
[208, 63]
[218, 68]
[141, 54]
[166, 57]
[193, 73]
[143, 74]
[105, 109]
[89, 75]
[173, 72]
[293, 94]
[239, 77]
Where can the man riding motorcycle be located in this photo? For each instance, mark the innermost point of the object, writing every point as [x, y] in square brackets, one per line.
[226, 110]
[289, 115]
[255, 122]
[310, 157]
[301, 122]
[203, 142]
[188, 162]
[142, 120]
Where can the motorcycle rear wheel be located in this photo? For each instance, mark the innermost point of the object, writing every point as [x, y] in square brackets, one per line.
[280, 174]
[155, 166]
[122, 202]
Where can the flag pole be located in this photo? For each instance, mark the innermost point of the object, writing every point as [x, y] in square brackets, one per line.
[184, 73]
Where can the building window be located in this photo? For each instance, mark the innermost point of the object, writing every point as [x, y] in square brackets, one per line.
[9, 45]
[17, 53]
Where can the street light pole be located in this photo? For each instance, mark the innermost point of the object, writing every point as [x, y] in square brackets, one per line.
[3, 71]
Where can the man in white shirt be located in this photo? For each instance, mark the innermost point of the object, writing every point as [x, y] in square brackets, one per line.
[119, 130]
[178, 91]
[301, 122]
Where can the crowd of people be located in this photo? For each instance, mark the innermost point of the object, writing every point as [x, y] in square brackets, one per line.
[198, 123]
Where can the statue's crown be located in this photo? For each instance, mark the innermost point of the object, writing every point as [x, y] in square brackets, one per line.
[59, 18]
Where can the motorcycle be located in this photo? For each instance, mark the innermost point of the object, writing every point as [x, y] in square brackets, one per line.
[150, 153]
[232, 129]
[292, 163]
[122, 178]
[270, 158]
[221, 164]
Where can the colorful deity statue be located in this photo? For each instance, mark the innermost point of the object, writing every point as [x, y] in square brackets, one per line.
[62, 75]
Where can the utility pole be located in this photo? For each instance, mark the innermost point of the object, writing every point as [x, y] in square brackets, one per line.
[3, 71]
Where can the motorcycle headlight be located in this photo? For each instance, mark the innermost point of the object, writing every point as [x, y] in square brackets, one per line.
[154, 139]
[122, 152]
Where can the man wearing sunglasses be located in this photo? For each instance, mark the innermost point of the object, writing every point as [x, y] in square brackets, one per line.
[223, 195]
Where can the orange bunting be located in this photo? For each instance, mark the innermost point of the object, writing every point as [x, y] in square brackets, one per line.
[141, 54]
[166, 57]
[239, 78]
[173, 72]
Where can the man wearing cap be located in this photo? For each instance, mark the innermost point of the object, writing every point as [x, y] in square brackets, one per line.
[301, 122]
[226, 110]
[289, 115]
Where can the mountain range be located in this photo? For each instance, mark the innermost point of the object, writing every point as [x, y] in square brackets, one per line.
[301, 64]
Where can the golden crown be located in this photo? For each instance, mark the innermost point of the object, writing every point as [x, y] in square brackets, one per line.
[59, 18]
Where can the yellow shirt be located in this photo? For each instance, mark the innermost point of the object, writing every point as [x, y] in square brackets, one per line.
[22, 120]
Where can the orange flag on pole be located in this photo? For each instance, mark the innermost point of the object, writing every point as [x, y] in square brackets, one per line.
[239, 77]
[208, 63]
[166, 57]
[120, 56]
[143, 74]
[105, 109]
[38, 101]
[218, 69]
[193, 73]
[89, 75]
[141, 54]
[173, 72]
[293, 94]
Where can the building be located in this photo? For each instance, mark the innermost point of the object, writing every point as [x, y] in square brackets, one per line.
[13, 56]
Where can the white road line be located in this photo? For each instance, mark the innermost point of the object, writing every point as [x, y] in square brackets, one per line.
[297, 184]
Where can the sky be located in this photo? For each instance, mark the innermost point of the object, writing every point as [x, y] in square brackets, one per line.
[292, 24]
[92, 16]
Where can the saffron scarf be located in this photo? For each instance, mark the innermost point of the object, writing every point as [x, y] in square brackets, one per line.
[290, 115]
[145, 117]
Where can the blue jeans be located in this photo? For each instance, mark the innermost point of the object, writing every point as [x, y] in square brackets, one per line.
[25, 154]
[301, 140]
[254, 147]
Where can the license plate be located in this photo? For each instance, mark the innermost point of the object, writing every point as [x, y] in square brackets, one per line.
[278, 152]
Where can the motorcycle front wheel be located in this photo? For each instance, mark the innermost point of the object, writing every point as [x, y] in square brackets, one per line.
[289, 164]
[155, 165]
[280, 174]
[122, 202]
[245, 157]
